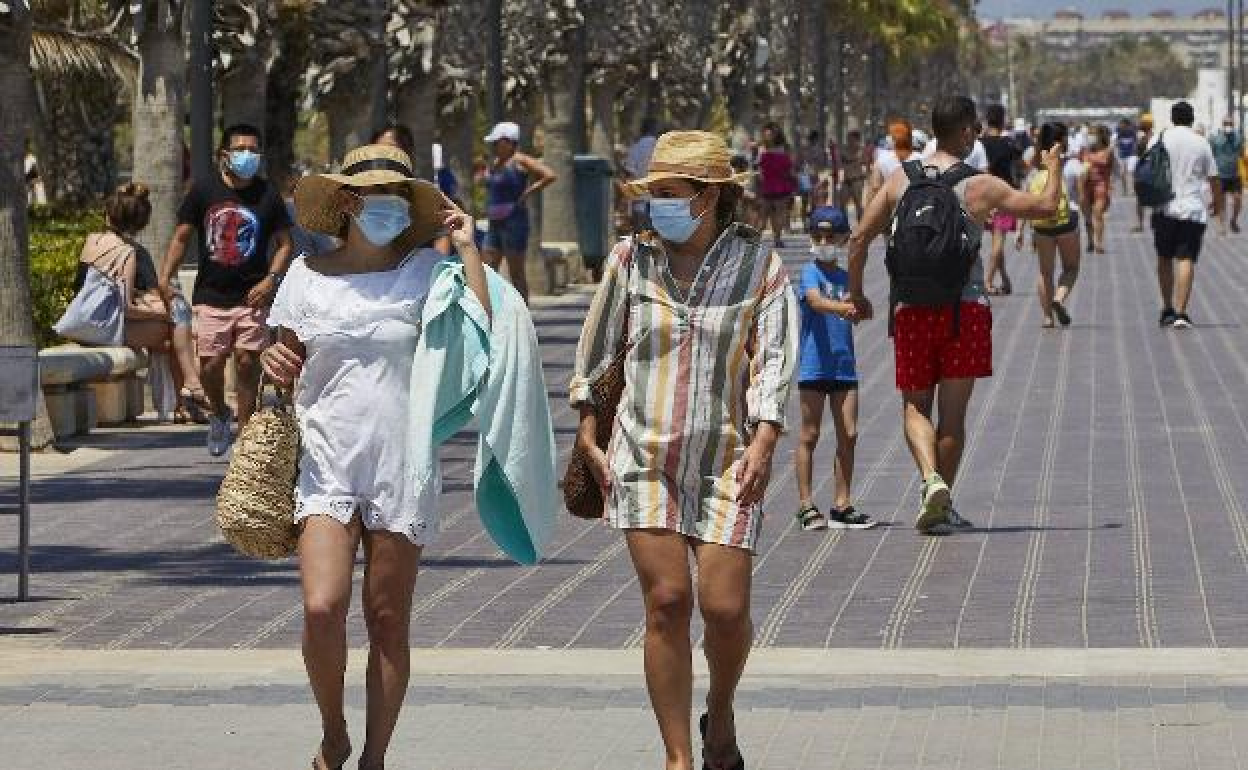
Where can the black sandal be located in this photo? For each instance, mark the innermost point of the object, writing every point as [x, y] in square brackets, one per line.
[811, 519]
[738, 765]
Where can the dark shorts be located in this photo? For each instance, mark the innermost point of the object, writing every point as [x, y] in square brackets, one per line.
[510, 235]
[1231, 184]
[1177, 238]
[1053, 232]
[828, 386]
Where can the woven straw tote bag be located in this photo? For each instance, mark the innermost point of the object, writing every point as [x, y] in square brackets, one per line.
[581, 493]
[256, 502]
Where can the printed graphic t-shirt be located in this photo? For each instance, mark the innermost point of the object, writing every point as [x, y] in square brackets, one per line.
[827, 340]
[234, 228]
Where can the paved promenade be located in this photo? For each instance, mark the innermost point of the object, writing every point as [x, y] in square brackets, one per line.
[1105, 468]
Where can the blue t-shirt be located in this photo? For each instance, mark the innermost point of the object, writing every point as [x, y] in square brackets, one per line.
[827, 350]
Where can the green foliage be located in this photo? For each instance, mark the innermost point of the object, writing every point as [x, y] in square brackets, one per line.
[56, 238]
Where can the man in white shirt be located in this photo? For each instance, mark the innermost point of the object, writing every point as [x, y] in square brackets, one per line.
[1179, 226]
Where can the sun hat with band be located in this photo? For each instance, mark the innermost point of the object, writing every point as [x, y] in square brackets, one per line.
[699, 156]
[318, 207]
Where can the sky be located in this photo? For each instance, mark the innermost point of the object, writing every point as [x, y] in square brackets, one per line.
[995, 9]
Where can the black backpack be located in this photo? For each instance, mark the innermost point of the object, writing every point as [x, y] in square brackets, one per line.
[1152, 175]
[933, 242]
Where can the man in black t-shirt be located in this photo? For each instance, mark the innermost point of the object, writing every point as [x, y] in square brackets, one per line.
[1005, 160]
[236, 216]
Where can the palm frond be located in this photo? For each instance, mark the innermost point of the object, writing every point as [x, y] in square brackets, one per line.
[59, 52]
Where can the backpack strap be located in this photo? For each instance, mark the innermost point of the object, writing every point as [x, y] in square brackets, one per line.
[958, 173]
[913, 169]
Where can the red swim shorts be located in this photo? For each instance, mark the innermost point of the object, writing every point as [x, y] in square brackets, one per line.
[927, 350]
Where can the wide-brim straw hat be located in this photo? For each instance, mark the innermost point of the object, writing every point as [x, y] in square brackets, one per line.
[319, 209]
[697, 155]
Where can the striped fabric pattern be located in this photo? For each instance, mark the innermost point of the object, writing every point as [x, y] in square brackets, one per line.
[703, 367]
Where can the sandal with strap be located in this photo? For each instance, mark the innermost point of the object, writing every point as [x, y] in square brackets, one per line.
[320, 763]
[811, 519]
[738, 765]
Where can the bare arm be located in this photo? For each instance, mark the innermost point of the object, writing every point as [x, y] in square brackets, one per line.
[463, 233]
[822, 304]
[873, 222]
[995, 194]
[543, 175]
[173, 256]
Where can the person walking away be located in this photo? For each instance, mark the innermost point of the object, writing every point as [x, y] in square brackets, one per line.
[243, 233]
[942, 348]
[348, 324]
[827, 372]
[888, 161]
[1126, 147]
[857, 164]
[1056, 236]
[512, 178]
[1179, 226]
[1228, 146]
[1144, 140]
[396, 135]
[150, 323]
[813, 160]
[707, 324]
[777, 181]
[1100, 185]
[1005, 163]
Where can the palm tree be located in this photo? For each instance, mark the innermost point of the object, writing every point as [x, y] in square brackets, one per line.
[413, 45]
[82, 77]
[16, 319]
[343, 77]
[461, 57]
[242, 34]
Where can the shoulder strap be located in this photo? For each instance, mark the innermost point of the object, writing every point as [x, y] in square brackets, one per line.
[957, 174]
[913, 169]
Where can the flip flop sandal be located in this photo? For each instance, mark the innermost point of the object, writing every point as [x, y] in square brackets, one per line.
[1059, 310]
[320, 763]
[738, 765]
[811, 519]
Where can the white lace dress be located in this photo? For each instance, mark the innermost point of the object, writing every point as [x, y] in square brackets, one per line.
[360, 332]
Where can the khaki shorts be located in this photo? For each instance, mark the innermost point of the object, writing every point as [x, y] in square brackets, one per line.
[220, 330]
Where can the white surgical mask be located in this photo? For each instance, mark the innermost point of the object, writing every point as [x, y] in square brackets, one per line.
[827, 252]
[383, 218]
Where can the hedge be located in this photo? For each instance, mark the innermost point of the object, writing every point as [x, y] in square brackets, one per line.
[56, 238]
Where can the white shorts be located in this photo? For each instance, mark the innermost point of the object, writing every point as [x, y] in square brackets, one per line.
[417, 520]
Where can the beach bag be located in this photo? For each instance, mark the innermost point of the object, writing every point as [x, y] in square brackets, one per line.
[97, 314]
[933, 241]
[256, 501]
[1153, 183]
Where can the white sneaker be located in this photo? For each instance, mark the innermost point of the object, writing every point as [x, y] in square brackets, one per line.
[220, 433]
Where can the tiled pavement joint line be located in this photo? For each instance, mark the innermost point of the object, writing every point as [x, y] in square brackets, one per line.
[161, 617]
[1014, 436]
[530, 618]
[908, 597]
[1146, 617]
[1094, 345]
[1020, 635]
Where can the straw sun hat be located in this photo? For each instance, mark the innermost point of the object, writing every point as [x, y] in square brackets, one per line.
[697, 155]
[318, 208]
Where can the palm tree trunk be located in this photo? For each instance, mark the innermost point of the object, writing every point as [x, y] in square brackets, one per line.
[75, 138]
[159, 111]
[416, 105]
[16, 319]
[457, 132]
[602, 127]
[562, 142]
[244, 92]
[282, 94]
[349, 112]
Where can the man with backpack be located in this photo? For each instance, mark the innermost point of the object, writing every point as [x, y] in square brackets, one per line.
[1180, 163]
[939, 313]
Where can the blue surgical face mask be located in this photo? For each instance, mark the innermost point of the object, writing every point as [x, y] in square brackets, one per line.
[672, 218]
[244, 163]
[383, 217]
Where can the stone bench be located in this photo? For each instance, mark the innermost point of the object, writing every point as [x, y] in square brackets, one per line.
[561, 261]
[87, 387]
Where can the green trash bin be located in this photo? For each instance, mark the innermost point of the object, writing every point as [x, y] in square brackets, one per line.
[593, 208]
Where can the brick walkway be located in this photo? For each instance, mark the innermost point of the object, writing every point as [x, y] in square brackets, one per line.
[1104, 466]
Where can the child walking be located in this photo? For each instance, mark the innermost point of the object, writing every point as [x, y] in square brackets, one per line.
[827, 371]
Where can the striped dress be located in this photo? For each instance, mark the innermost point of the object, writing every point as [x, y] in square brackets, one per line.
[703, 367]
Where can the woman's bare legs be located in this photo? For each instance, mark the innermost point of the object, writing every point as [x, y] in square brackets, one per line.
[326, 559]
[724, 575]
[661, 559]
[515, 272]
[1068, 253]
[389, 581]
[1099, 207]
[1046, 250]
[996, 263]
[185, 361]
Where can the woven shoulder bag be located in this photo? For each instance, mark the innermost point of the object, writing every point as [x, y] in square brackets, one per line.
[581, 494]
[256, 502]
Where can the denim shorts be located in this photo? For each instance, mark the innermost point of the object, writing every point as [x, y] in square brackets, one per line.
[510, 235]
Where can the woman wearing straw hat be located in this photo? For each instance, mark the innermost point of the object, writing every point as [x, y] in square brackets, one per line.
[707, 325]
[348, 324]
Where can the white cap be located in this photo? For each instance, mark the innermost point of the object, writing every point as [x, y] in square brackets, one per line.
[1020, 124]
[504, 130]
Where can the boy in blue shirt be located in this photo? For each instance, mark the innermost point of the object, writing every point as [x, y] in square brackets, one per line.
[827, 371]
